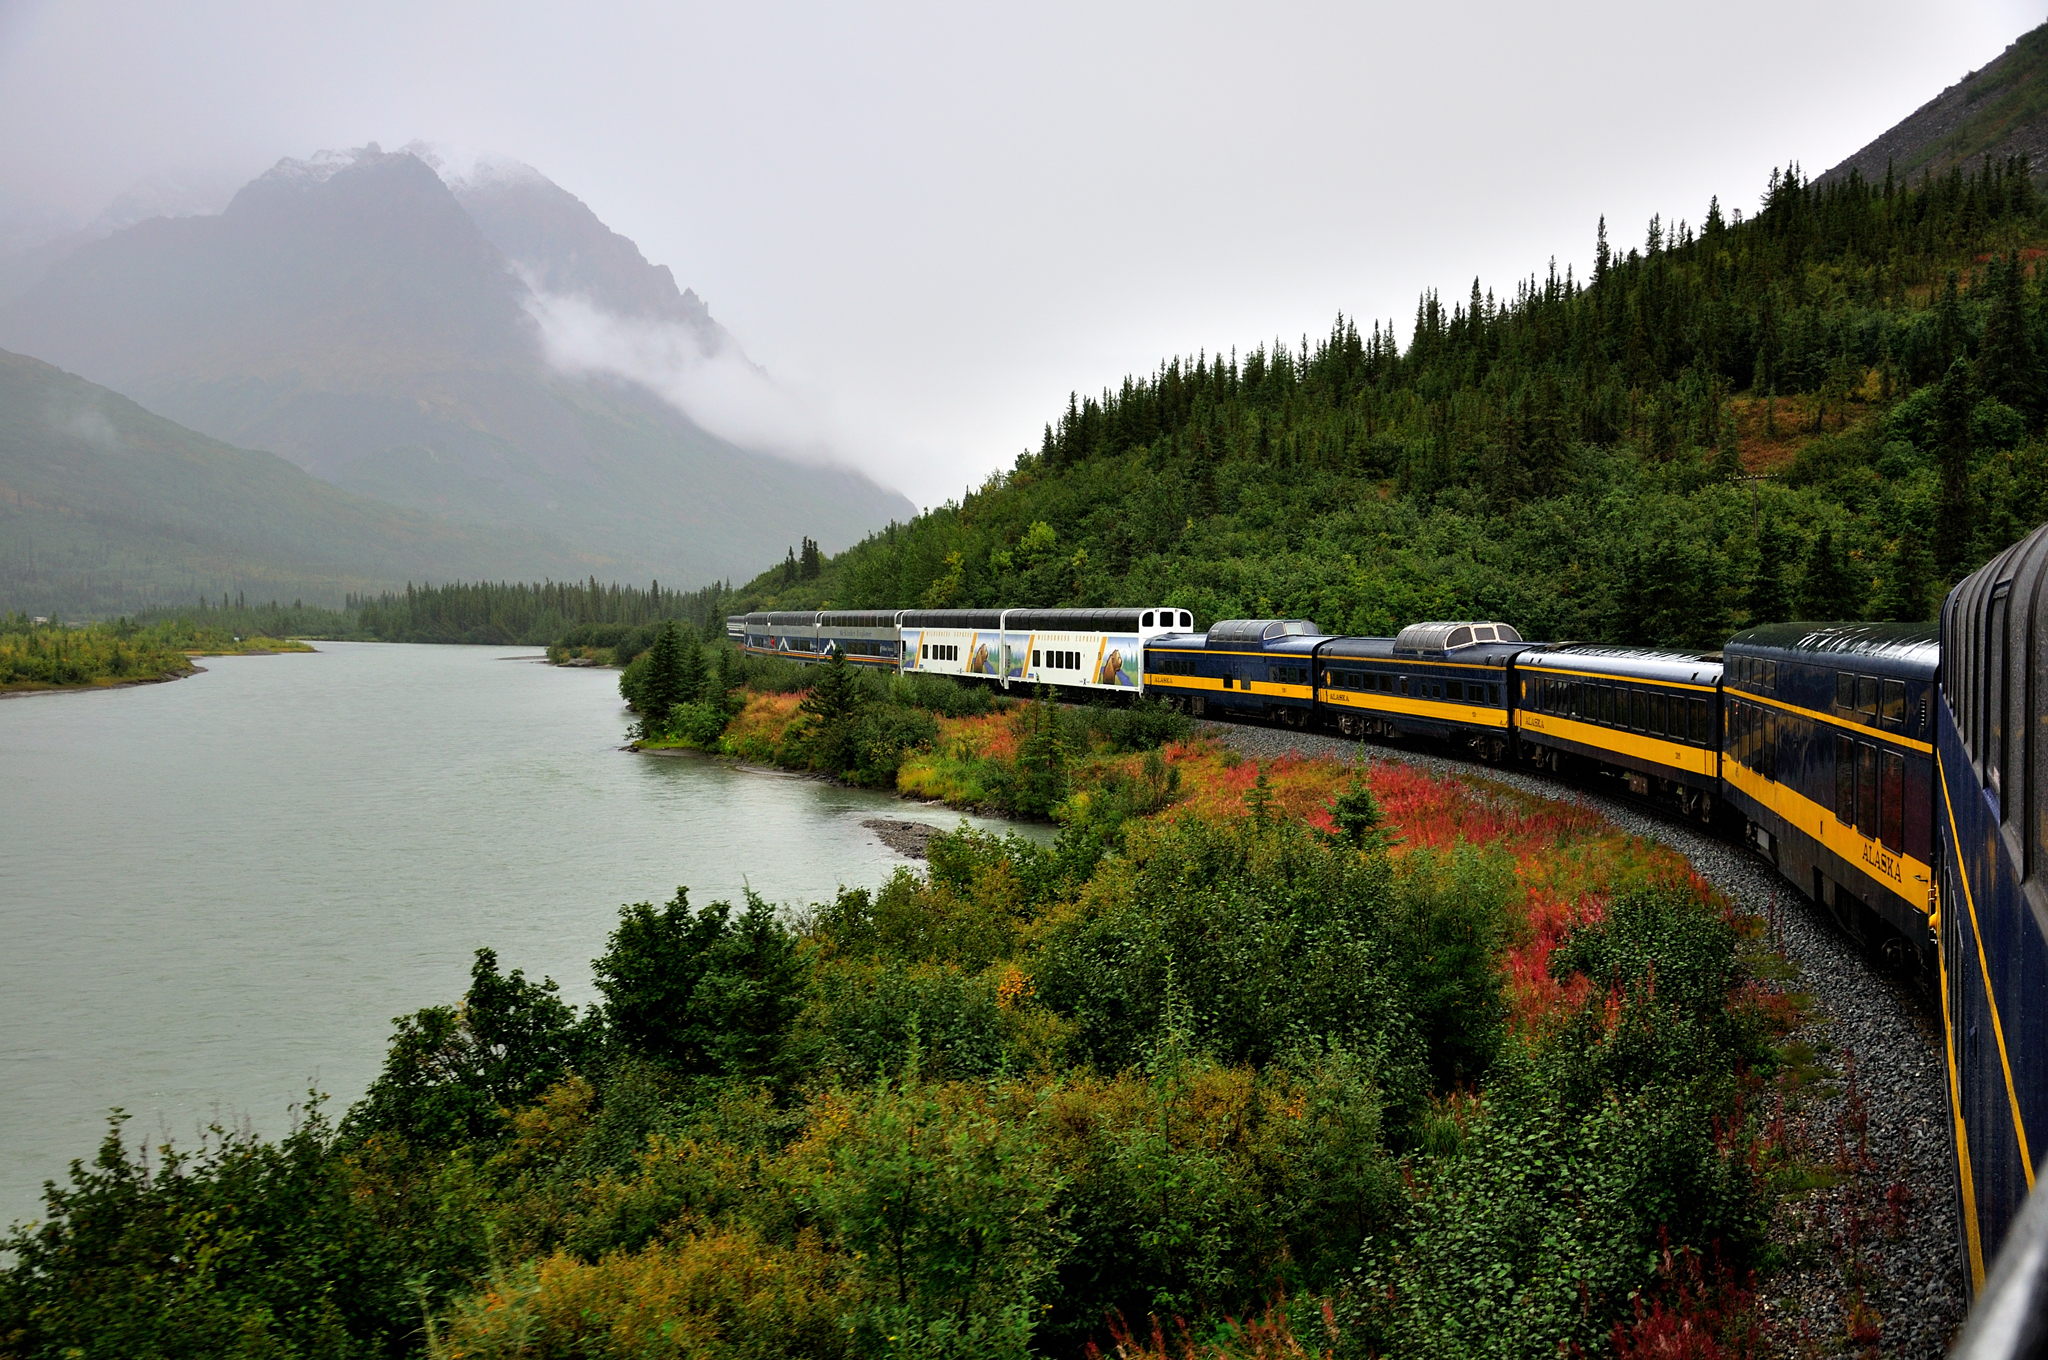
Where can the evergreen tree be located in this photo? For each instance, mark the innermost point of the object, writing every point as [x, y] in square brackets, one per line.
[833, 704]
[1950, 342]
[1904, 596]
[1041, 780]
[1952, 523]
[661, 684]
[1829, 590]
[790, 568]
[689, 665]
[2008, 367]
[1770, 593]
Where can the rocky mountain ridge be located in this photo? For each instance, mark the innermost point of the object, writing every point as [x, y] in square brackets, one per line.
[379, 324]
[1999, 110]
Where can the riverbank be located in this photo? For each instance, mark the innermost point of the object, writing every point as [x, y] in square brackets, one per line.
[38, 656]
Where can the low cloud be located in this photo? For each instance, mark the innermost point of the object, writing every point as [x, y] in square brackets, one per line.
[87, 424]
[706, 378]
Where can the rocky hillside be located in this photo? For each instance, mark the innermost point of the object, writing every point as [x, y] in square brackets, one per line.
[356, 316]
[2000, 111]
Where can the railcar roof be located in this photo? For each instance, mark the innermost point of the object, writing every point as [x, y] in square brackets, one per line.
[1259, 632]
[1033, 620]
[1908, 644]
[1640, 663]
[1384, 649]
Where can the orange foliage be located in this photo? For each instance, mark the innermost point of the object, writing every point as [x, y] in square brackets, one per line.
[1568, 859]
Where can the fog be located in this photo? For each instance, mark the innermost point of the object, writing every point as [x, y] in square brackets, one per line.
[926, 224]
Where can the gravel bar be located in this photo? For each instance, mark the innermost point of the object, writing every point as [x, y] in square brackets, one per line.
[1889, 1223]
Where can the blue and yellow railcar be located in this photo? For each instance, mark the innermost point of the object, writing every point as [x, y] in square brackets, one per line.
[1992, 758]
[1243, 668]
[1828, 751]
[1445, 681]
[1650, 718]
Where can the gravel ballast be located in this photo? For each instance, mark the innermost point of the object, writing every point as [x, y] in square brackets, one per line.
[1879, 1116]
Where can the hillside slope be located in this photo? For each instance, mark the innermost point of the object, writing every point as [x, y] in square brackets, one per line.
[107, 508]
[351, 315]
[1826, 411]
[2000, 110]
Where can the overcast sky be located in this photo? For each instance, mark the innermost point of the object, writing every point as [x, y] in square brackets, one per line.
[934, 221]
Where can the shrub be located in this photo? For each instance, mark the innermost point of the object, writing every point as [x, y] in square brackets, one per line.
[888, 1017]
[452, 1072]
[699, 991]
[1274, 939]
[242, 1247]
[714, 1293]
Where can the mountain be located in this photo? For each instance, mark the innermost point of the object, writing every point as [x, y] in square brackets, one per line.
[107, 508]
[2000, 111]
[352, 314]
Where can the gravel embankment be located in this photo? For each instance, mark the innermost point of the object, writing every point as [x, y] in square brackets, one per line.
[1890, 1221]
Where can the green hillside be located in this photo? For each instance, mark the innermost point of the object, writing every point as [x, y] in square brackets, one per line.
[1828, 410]
[106, 508]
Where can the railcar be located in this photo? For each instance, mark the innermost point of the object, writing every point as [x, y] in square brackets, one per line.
[865, 637]
[1448, 681]
[1087, 650]
[1828, 754]
[1249, 668]
[1991, 753]
[1650, 718]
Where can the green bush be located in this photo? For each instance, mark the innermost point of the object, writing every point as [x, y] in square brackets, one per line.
[1275, 940]
[702, 992]
[453, 1072]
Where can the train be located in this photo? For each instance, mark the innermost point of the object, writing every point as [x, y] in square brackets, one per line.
[1895, 774]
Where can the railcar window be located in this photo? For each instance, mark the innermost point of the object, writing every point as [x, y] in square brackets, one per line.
[1698, 709]
[1996, 673]
[1845, 691]
[1146, 622]
[1846, 749]
[1893, 798]
[1866, 696]
[1454, 689]
[1866, 789]
[1769, 750]
[1891, 705]
[1387, 683]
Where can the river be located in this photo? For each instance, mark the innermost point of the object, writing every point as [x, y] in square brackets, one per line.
[217, 892]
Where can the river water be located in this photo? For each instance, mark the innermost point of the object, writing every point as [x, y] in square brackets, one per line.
[216, 893]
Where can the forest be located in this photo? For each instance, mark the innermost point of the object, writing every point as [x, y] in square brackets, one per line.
[1830, 409]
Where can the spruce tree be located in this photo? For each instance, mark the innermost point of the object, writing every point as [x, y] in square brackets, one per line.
[833, 703]
[1949, 338]
[1904, 597]
[2008, 368]
[1952, 522]
[1829, 590]
[1041, 780]
[661, 686]
[1770, 594]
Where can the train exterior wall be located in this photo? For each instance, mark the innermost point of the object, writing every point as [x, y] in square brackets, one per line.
[1844, 799]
